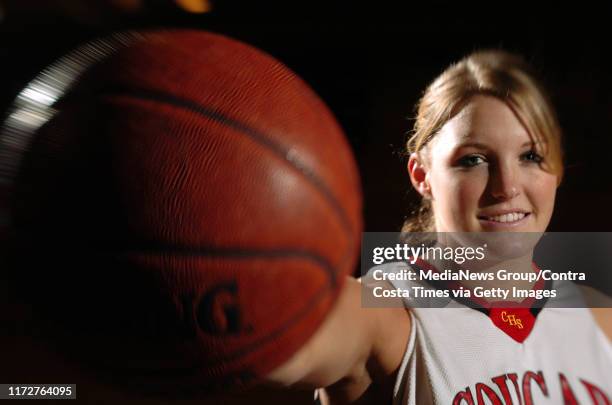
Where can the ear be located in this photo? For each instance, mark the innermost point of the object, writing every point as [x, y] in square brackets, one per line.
[419, 175]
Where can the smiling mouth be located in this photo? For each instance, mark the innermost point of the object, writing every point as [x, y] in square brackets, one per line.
[509, 218]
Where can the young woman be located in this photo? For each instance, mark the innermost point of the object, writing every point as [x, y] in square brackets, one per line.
[485, 156]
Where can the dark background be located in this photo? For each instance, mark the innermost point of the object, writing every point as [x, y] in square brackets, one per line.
[370, 64]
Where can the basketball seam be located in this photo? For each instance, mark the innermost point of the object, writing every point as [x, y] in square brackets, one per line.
[239, 354]
[264, 339]
[235, 253]
[255, 135]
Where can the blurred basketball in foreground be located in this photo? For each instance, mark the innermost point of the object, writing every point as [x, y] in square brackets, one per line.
[183, 208]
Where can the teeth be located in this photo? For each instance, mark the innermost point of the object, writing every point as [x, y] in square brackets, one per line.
[511, 217]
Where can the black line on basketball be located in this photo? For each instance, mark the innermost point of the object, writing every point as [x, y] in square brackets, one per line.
[252, 133]
[156, 249]
[190, 370]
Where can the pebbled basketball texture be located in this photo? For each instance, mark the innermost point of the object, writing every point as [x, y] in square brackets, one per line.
[187, 217]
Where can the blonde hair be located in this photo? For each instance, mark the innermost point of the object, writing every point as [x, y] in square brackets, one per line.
[499, 74]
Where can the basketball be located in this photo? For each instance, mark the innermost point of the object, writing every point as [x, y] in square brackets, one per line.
[186, 213]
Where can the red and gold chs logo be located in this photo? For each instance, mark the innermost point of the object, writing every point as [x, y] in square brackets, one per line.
[515, 322]
[512, 320]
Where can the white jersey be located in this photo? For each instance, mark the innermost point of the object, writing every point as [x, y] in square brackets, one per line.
[461, 355]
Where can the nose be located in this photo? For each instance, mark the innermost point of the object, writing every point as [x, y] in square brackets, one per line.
[504, 183]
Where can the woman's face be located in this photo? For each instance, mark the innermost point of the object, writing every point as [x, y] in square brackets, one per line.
[482, 173]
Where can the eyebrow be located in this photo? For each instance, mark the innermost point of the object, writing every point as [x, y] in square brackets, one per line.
[479, 145]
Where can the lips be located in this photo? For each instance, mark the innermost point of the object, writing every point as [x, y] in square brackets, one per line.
[507, 217]
[510, 217]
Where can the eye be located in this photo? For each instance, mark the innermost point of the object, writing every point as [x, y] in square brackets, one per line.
[532, 156]
[471, 160]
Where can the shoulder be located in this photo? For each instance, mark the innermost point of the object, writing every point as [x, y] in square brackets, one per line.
[601, 308]
[353, 348]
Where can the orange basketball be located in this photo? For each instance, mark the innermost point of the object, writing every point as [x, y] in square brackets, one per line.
[186, 212]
